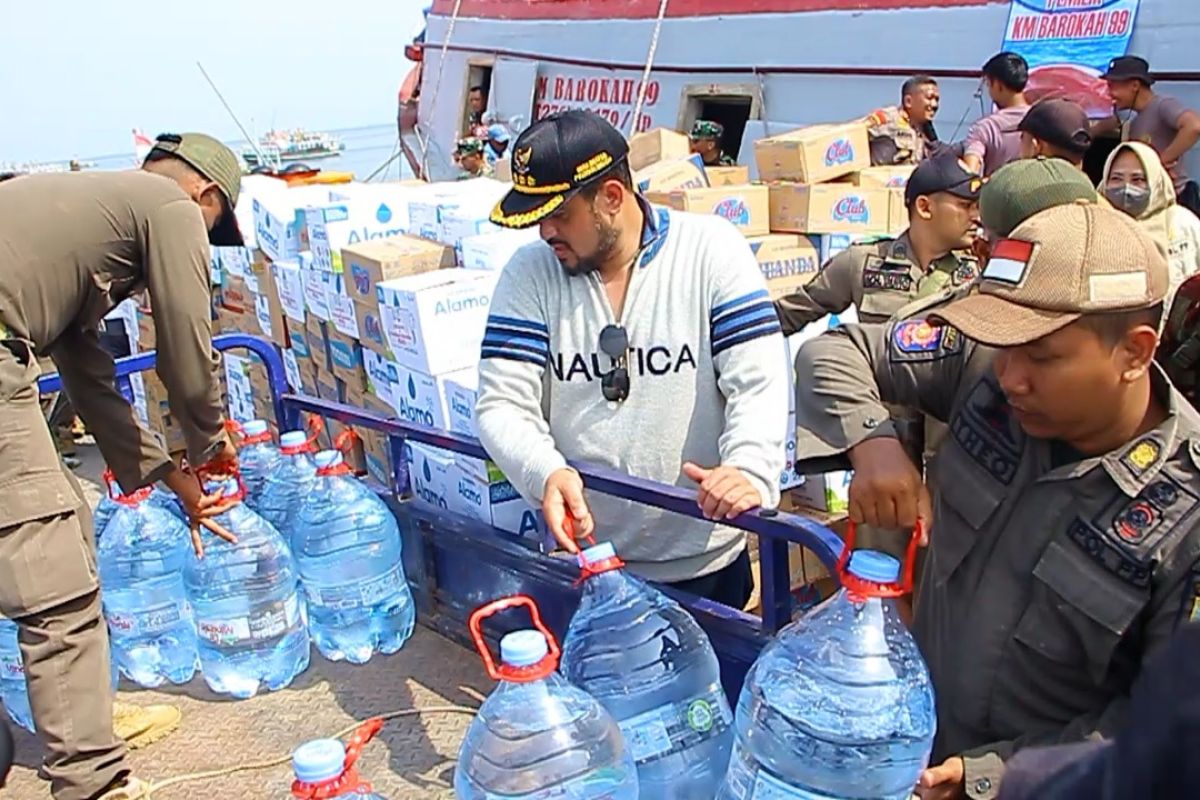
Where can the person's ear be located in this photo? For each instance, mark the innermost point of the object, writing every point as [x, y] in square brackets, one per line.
[923, 206]
[1136, 352]
[611, 196]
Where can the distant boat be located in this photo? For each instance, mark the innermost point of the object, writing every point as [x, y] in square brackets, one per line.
[44, 167]
[295, 145]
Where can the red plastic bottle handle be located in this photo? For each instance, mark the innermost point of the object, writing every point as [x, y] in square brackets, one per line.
[483, 612]
[875, 588]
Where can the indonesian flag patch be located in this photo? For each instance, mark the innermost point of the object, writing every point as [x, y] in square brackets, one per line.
[1009, 261]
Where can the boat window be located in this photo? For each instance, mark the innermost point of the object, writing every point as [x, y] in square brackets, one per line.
[731, 106]
[476, 100]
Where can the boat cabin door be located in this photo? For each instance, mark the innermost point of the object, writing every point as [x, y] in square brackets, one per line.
[511, 98]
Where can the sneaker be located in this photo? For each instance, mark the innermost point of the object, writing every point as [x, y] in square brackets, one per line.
[131, 789]
[141, 726]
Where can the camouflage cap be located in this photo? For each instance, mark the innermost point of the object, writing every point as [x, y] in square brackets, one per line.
[469, 145]
[216, 162]
[1057, 266]
[1017, 191]
[707, 129]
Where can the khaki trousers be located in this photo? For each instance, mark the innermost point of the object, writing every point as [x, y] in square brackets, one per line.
[49, 587]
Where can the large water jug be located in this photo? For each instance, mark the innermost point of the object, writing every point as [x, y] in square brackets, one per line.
[12, 677]
[150, 626]
[640, 654]
[286, 487]
[324, 768]
[248, 609]
[538, 736]
[840, 704]
[258, 457]
[164, 498]
[347, 546]
[104, 509]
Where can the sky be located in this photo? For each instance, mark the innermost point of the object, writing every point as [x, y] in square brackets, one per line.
[74, 83]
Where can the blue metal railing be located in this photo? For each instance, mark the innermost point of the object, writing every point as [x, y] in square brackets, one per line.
[775, 529]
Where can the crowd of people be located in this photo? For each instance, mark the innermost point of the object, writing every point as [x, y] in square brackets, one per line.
[1002, 388]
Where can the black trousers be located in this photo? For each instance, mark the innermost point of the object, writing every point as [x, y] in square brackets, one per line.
[731, 585]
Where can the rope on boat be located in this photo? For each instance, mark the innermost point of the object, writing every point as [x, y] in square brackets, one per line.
[257, 766]
[437, 84]
[641, 99]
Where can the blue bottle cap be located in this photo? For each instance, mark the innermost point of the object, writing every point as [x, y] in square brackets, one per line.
[319, 760]
[293, 438]
[255, 427]
[597, 553]
[873, 565]
[523, 648]
[327, 458]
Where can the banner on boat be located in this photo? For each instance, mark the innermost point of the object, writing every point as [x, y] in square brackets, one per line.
[612, 95]
[1068, 44]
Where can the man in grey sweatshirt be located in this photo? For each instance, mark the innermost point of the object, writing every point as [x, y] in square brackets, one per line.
[640, 339]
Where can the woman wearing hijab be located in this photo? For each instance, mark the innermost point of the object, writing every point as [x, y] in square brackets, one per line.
[1136, 182]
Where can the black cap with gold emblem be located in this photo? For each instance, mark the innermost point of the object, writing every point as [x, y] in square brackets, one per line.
[554, 158]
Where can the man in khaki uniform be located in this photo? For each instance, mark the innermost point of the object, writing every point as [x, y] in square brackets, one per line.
[1064, 540]
[72, 246]
[881, 277]
[904, 134]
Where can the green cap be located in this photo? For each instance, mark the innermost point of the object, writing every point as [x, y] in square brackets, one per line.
[707, 129]
[469, 145]
[216, 162]
[1017, 191]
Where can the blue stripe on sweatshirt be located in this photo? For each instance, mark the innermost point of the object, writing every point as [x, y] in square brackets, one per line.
[747, 334]
[512, 354]
[514, 322]
[737, 319]
[737, 302]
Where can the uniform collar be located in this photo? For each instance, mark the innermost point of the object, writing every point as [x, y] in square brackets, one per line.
[1135, 465]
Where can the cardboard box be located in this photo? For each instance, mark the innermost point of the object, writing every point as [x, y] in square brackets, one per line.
[747, 207]
[343, 317]
[370, 328]
[298, 336]
[383, 378]
[442, 480]
[785, 255]
[897, 212]
[650, 147]
[727, 176]
[235, 296]
[318, 285]
[318, 343]
[369, 263]
[289, 288]
[424, 399]
[493, 251]
[462, 393]
[279, 225]
[327, 386]
[352, 449]
[667, 176]
[895, 177]
[147, 338]
[828, 208]
[346, 360]
[434, 321]
[813, 154]
[465, 221]
[335, 226]
[267, 306]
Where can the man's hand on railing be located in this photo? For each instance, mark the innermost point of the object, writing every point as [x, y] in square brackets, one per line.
[724, 491]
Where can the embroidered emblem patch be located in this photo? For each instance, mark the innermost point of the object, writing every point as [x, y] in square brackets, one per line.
[918, 336]
[1142, 456]
[986, 430]
[885, 279]
[1136, 520]
[966, 272]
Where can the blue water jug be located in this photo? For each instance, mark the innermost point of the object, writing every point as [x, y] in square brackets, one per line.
[284, 489]
[258, 457]
[347, 546]
[164, 498]
[105, 507]
[324, 768]
[12, 677]
[249, 615]
[647, 661]
[537, 736]
[150, 625]
[840, 704]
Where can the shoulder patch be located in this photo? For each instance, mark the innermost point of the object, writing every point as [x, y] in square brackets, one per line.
[1142, 455]
[1009, 261]
[918, 340]
[879, 278]
[987, 431]
[967, 271]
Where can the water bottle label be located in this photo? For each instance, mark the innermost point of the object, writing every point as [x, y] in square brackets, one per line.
[145, 623]
[676, 727]
[11, 667]
[267, 623]
[355, 595]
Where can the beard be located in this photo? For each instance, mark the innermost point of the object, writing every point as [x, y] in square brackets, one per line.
[608, 235]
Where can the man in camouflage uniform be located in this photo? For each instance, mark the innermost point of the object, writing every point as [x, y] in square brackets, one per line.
[471, 157]
[706, 140]
[1066, 500]
[904, 134]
